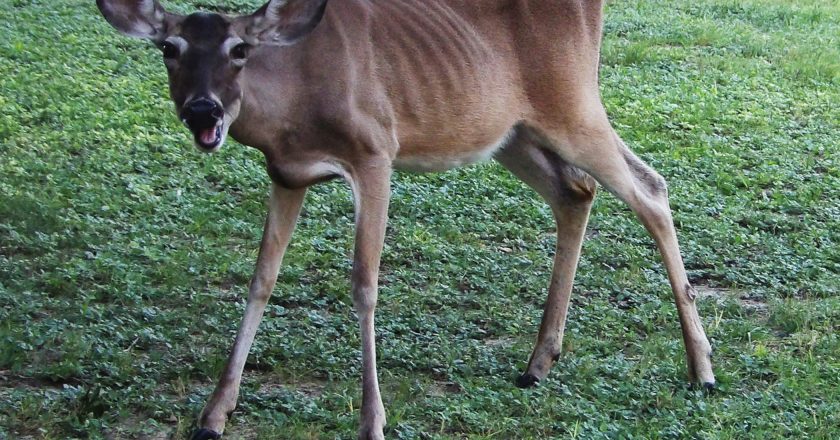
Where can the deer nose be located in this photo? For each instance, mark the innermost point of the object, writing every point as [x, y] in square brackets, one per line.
[202, 112]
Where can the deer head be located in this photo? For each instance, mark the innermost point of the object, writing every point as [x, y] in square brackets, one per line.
[205, 53]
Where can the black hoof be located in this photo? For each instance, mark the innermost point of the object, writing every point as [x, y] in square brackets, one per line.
[708, 387]
[527, 381]
[205, 434]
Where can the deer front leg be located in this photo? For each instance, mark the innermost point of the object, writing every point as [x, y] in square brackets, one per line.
[371, 188]
[284, 208]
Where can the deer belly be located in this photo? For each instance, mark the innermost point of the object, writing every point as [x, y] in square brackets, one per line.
[431, 160]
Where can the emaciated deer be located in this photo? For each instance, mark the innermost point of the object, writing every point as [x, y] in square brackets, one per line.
[354, 89]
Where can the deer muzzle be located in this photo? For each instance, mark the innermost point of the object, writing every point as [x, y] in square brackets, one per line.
[205, 118]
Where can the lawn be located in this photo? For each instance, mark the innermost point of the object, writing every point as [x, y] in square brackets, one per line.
[125, 254]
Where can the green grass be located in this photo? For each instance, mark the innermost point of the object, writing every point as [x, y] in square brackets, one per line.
[125, 254]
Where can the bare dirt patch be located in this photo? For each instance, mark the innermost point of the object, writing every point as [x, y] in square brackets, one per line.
[442, 388]
[140, 428]
[273, 384]
[721, 294]
[503, 341]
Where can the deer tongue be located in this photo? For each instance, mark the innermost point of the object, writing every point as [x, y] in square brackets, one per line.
[209, 136]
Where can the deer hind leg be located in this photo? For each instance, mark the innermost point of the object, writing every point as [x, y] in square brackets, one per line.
[592, 145]
[569, 192]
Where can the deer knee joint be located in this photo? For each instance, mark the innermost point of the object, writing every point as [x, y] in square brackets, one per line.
[653, 183]
[657, 184]
[364, 297]
[260, 288]
[690, 292]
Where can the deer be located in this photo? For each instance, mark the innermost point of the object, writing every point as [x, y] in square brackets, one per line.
[355, 89]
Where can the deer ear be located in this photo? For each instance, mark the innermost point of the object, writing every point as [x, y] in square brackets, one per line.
[135, 18]
[282, 22]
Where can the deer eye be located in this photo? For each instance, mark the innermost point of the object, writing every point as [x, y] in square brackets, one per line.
[170, 51]
[240, 51]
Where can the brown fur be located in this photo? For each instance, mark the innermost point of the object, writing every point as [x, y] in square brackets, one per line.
[420, 85]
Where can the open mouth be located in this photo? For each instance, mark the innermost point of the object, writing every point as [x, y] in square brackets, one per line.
[209, 138]
[205, 117]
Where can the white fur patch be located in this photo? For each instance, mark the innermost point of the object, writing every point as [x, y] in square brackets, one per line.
[455, 158]
[178, 42]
